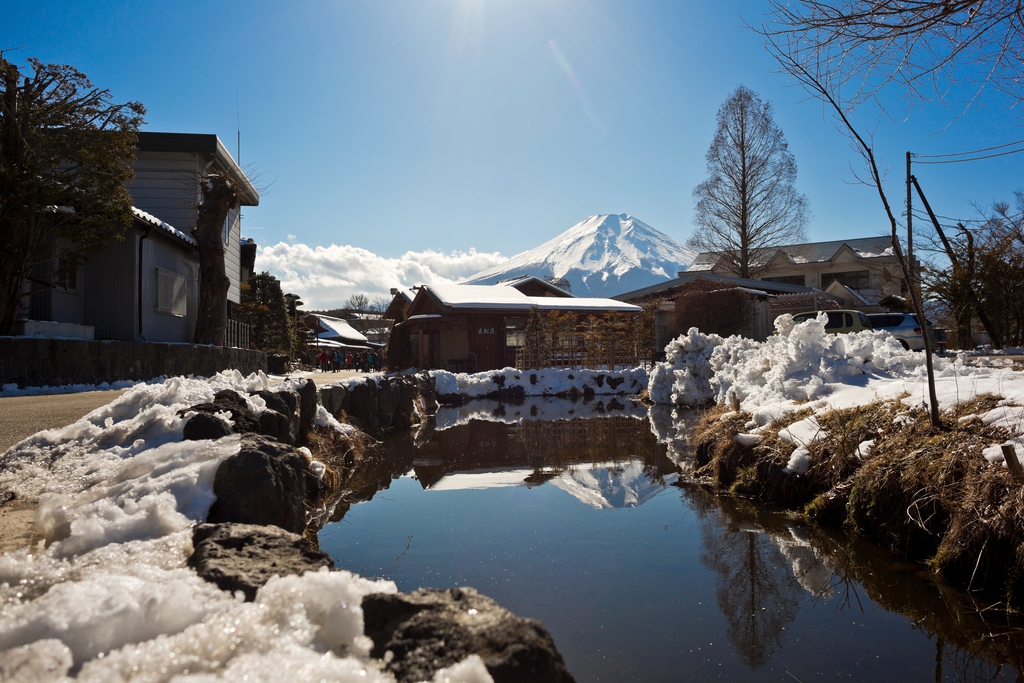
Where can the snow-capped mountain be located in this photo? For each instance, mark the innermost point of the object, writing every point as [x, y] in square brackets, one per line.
[600, 257]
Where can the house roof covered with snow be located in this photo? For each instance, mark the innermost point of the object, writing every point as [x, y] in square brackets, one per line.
[153, 221]
[336, 328]
[809, 252]
[663, 288]
[501, 297]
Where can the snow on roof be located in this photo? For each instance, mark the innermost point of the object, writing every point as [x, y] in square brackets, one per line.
[479, 296]
[811, 252]
[150, 219]
[501, 297]
[336, 328]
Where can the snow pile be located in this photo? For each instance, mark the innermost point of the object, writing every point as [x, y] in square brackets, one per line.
[536, 408]
[802, 433]
[800, 363]
[685, 378]
[802, 366]
[546, 382]
[111, 598]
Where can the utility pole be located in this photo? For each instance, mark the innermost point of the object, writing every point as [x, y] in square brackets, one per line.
[910, 228]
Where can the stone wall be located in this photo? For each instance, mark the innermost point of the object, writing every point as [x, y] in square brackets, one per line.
[378, 404]
[36, 361]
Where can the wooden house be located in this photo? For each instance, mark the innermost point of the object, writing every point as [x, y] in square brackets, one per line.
[675, 296]
[471, 328]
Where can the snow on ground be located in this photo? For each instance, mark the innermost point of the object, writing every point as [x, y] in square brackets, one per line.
[110, 596]
[802, 366]
[546, 382]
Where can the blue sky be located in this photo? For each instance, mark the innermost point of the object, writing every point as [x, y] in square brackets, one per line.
[447, 125]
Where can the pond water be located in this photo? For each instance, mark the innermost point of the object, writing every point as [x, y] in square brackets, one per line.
[580, 515]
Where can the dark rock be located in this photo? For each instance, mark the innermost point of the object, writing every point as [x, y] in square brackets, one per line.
[278, 426]
[205, 426]
[243, 557]
[332, 397]
[285, 402]
[226, 400]
[514, 394]
[426, 390]
[379, 405]
[307, 407]
[263, 484]
[430, 629]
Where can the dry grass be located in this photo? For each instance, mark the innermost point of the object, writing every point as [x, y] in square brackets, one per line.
[342, 455]
[927, 494]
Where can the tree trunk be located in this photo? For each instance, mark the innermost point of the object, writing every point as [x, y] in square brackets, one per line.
[218, 199]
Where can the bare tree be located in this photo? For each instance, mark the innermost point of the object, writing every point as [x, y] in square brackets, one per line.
[358, 302]
[948, 50]
[219, 197]
[748, 203]
[816, 81]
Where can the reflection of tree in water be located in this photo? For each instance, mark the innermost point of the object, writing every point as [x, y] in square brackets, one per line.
[971, 643]
[754, 584]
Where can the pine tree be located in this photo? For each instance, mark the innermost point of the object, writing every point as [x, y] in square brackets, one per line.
[66, 156]
[265, 311]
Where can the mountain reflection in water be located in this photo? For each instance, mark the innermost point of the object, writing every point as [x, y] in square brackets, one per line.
[652, 577]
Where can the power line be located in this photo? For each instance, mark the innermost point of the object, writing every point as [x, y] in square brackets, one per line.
[963, 154]
[960, 161]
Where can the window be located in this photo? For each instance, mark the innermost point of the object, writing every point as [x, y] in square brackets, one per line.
[67, 275]
[786, 279]
[854, 279]
[171, 293]
[515, 332]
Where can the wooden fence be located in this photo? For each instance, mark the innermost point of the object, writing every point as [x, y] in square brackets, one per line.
[236, 335]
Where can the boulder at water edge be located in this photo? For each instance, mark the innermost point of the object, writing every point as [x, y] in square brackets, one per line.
[243, 557]
[265, 483]
[430, 629]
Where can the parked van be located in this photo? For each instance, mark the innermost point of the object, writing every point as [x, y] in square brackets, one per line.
[839, 322]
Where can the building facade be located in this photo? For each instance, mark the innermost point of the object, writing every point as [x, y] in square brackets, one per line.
[146, 286]
[471, 328]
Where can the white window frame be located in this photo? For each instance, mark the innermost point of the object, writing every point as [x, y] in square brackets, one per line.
[171, 293]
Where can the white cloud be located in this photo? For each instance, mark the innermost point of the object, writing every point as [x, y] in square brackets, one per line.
[325, 277]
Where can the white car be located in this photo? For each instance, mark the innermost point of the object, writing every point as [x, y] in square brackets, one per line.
[903, 326]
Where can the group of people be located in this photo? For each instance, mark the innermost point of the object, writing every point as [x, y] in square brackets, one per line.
[363, 361]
